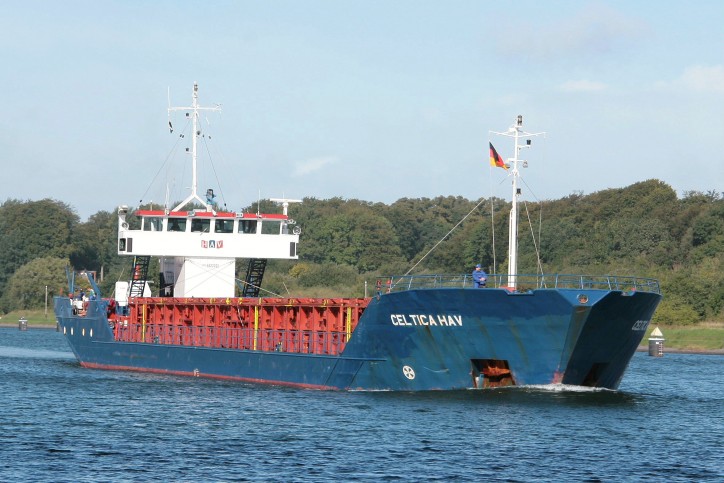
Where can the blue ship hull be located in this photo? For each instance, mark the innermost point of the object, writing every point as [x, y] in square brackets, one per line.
[416, 340]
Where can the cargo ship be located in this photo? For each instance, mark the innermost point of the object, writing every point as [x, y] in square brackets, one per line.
[414, 333]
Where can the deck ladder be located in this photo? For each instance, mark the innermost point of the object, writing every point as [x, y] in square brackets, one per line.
[139, 275]
[254, 276]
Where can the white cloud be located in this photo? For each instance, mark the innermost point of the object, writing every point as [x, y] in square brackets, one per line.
[702, 78]
[697, 78]
[310, 165]
[595, 29]
[582, 86]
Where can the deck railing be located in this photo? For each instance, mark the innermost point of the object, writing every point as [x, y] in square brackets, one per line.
[524, 282]
[265, 340]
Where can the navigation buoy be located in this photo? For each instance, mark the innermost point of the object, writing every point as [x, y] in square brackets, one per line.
[656, 343]
[23, 323]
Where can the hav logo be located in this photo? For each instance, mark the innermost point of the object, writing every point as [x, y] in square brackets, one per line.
[212, 243]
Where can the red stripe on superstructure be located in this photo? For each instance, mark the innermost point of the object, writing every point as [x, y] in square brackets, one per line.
[209, 214]
[111, 367]
[273, 216]
[159, 213]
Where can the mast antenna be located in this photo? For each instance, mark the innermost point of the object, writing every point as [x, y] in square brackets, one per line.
[194, 108]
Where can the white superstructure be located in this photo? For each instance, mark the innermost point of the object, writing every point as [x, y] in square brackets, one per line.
[198, 248]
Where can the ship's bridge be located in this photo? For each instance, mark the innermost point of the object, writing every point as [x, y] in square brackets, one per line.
[208, 234]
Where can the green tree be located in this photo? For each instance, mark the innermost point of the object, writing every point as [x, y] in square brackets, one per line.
[26, 287]
[349, 233]
[33, 229]
[328, 275]
[407, 217]
[642, 229]
[95, 249]
[709, 225]
[96, 242]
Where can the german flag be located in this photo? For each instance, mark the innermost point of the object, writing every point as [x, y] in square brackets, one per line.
[495, 159]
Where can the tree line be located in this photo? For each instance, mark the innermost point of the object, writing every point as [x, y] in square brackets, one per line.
[643, 230]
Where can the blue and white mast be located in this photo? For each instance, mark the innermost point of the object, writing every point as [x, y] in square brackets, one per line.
[517, 133]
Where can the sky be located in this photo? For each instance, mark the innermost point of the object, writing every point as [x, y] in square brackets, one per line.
[370, 100]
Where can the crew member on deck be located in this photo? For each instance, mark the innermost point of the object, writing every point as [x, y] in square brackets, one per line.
[479, 277]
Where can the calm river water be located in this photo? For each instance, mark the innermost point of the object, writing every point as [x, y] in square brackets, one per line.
[60, 422]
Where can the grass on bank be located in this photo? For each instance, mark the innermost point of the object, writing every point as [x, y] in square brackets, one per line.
[703, 336]
[36, 318]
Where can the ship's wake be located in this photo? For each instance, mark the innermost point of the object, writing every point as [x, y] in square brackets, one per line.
[23, 353]
[556, 388]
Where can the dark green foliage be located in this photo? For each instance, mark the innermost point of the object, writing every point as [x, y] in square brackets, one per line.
[315, 280]
[708, 226]
[350, 233]
[95, 242]
[327, 275]
[420, 223]
[675, 312]
[641, 230]
[26, 288]
[33, 229]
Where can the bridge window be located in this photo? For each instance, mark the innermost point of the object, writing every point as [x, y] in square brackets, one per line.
[151, 224]
[224, 226]
[247, 226]
[201, 225]
[177, 224]
[271, 227]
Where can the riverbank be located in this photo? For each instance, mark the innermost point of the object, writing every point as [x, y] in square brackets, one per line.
[30, 326]
[674, 350]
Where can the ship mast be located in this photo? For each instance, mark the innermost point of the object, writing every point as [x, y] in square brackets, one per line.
[195, 108]
[517, 133]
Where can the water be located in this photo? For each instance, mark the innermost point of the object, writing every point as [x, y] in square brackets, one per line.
[59, 422]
